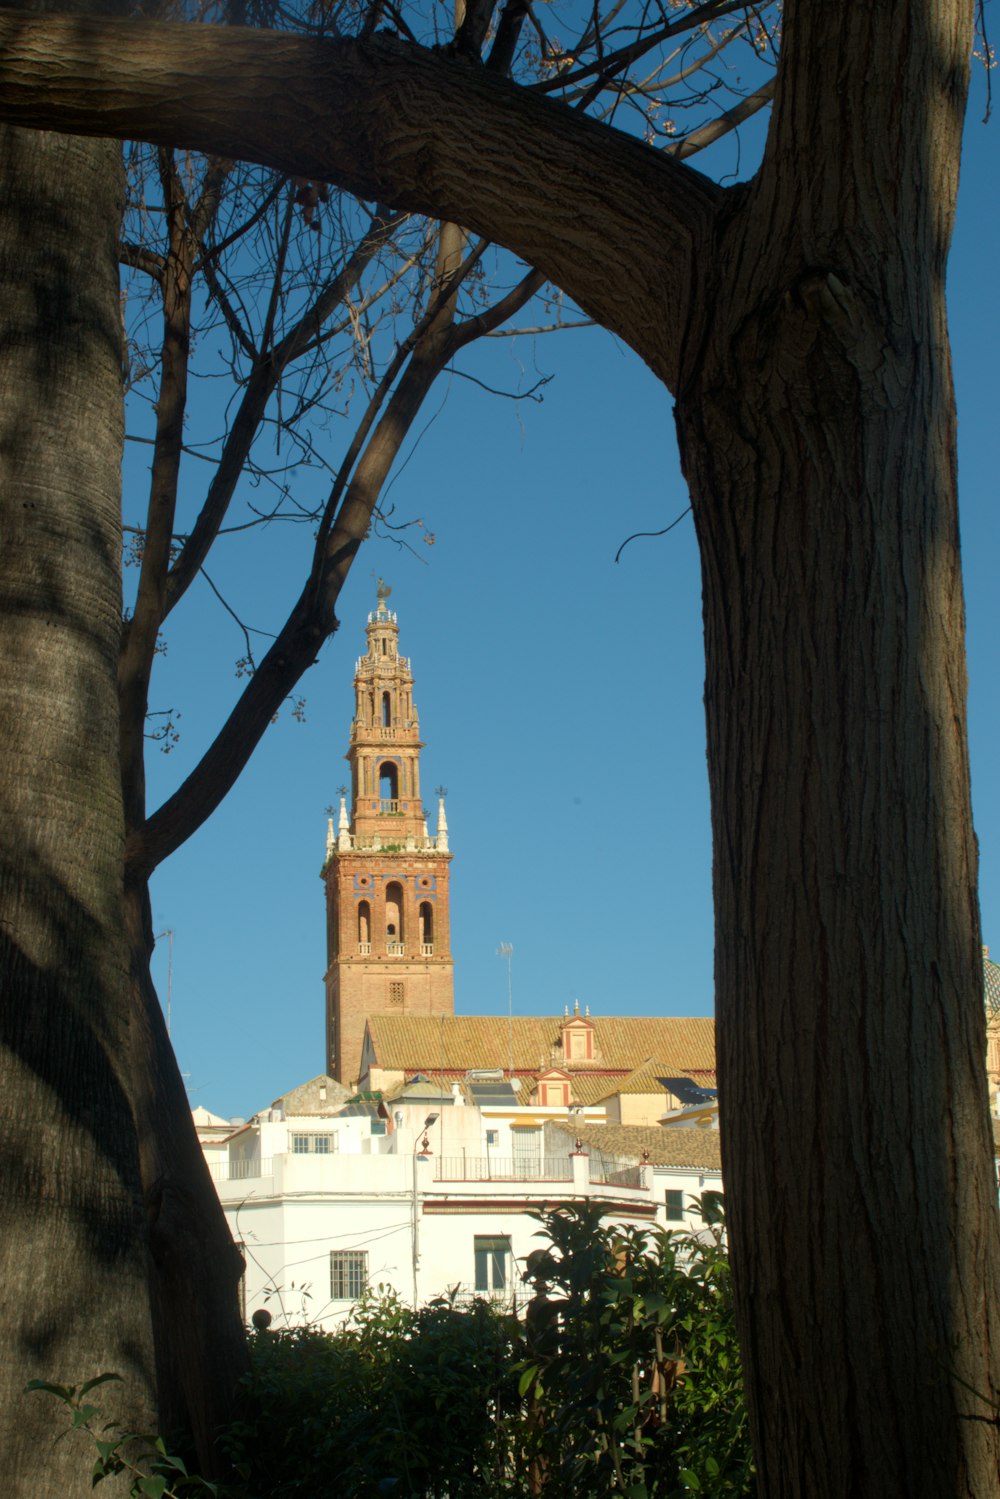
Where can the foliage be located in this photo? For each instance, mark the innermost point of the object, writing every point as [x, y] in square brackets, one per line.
[397, 1402]
[151, 1470]
[631, 1374]
[623, 1379]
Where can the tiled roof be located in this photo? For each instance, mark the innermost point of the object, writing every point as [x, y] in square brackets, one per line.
[695, 1149]
[305, 1099]
[592, 1087]
[457, 1043]
[646, 1079]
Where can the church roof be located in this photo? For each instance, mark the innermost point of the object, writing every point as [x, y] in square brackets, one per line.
[690, 1149]
[460, 1043]
[320, 1095]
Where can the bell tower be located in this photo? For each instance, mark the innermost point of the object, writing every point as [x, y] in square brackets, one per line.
[387, 918]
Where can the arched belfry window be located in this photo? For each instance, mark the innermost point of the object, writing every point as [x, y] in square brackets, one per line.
[425, 916]
[394, 917]
[386, 710]
[364, 927]
[388, 783]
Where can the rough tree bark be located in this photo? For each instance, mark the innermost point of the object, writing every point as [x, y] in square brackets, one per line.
[799, 322]
[107, 1263]
[73, 1282]
[816, 419]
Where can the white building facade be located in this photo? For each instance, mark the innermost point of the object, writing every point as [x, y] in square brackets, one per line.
[429, 1195]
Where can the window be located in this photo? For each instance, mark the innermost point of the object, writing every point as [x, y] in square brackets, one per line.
[675, 1205]
[578, 1043]
[527, 1149]
[492, 1262]
[348, 1273]
[388, 782]
[386, 711]
[492, 1138]
[397, 992]
[313, 1144]
[394, 918]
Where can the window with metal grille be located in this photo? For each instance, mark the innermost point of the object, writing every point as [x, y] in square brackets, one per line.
[492, 1255]
[313, 1144]
[348, 1273]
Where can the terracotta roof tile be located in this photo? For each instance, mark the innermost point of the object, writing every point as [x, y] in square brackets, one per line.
[457, 1043]
[646, 1079]
[695, 1149]
[305, 1099]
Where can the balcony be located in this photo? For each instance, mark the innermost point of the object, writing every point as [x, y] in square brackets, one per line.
[427, 949]
[364, 949]
[240, 1171]
[396, 949]
[389, 807]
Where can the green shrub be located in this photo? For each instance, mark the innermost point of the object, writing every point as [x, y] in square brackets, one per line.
[624, 1379]
[631, 1376]
[397, 1403]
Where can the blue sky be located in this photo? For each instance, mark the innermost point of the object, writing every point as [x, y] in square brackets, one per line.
[560, 698]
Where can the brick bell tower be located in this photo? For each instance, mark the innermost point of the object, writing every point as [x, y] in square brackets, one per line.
[387, 920]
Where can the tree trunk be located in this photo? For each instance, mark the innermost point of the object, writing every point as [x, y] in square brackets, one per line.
[860, 1190]
[73, 1282]
[194, 1265]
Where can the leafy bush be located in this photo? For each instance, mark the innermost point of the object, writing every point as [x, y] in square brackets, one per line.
[624, 1379]
[631, 1378]
[396, 1403]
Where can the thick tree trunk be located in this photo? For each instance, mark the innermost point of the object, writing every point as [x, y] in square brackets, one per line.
[818, 438]
[73, 1282]
[194, 1264]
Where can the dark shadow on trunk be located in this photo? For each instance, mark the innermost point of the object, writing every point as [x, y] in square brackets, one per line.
[194, 1265]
